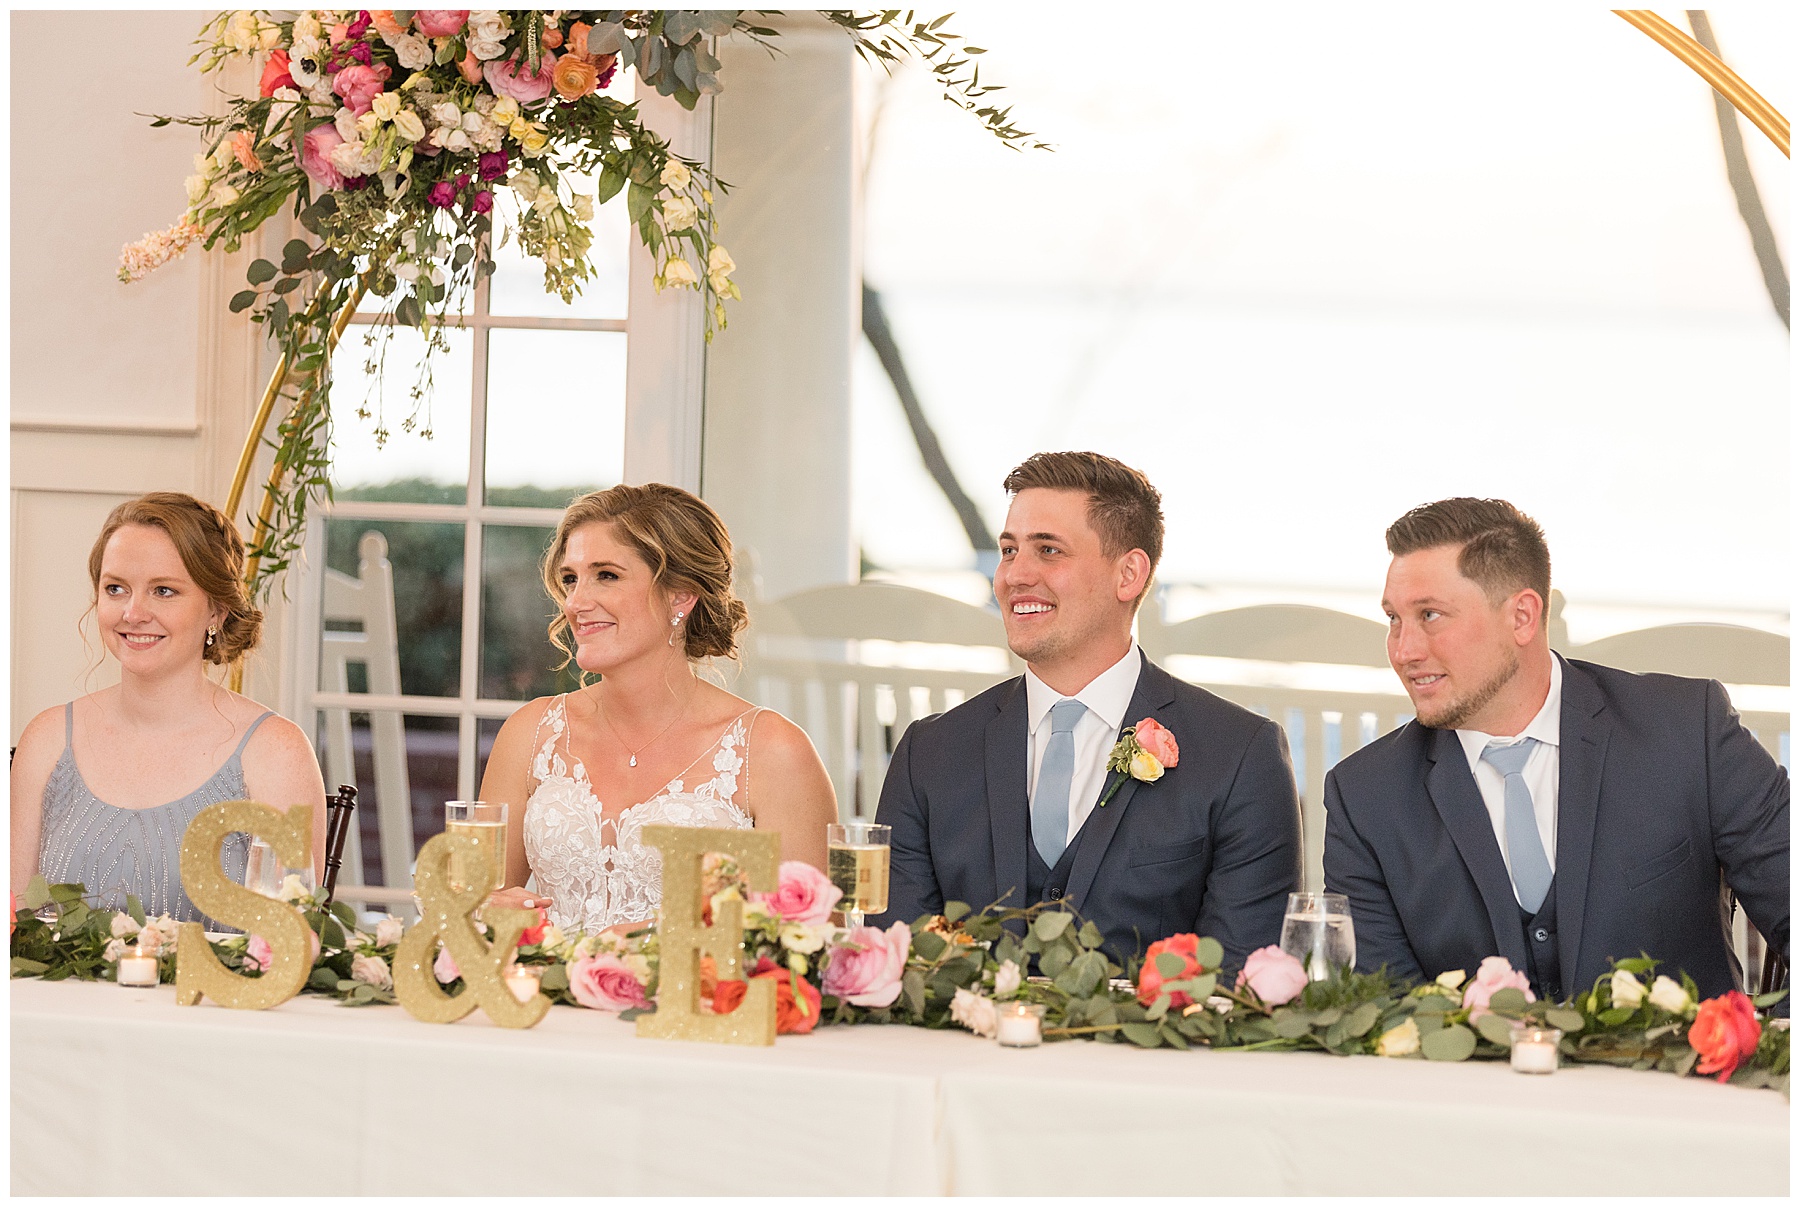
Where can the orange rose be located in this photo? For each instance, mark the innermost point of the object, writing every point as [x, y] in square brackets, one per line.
[1150, 978]
[791, 1017]
[709, 977]
[551, 37]
[577, 40]
[383, 21]
[574, 77]
[1725, 1033]
[242, 146]
[470, 67]
[275, 73]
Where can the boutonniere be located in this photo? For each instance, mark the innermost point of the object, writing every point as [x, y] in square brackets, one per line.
[1144, 751]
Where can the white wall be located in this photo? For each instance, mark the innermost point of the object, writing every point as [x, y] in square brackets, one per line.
[116, 389]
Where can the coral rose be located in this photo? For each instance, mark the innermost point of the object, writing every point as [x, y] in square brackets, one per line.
[441, 22]
[1725, 1033]
[385, 24]
[524, 85]
[1273, 975]
[603, 982]
[275, 74]
[791, 1017]
[1159, 742]
[866, 968]
[359, 85]
[803, 894]
[1150, 978]
[535, 934]
[574, 77]
[243, 145]
[1494, 975]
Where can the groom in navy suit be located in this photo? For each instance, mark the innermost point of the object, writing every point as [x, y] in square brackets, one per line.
[1551, 811]
[1000, 799]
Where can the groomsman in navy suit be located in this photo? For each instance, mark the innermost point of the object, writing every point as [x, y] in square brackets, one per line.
[1548, 810]
[1000, 799]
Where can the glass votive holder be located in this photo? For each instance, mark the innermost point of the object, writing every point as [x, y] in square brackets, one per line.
[524, 981]
[1019, 1024]
[1534, 1049]
[138, 970]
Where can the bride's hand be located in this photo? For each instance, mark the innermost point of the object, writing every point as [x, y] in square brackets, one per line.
[517, 898]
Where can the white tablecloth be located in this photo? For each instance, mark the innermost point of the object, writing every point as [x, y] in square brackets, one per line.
[118, 1090]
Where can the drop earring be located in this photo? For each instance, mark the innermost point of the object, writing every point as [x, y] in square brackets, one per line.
[212, 631]
[675, 624]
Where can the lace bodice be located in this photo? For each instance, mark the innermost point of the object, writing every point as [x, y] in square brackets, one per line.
[593, 883]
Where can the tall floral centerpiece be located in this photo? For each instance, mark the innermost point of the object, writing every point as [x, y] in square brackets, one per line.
[391, 133]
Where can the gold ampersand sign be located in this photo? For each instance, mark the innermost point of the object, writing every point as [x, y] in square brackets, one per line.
[446, 915]
[198, 971]
[683, 938]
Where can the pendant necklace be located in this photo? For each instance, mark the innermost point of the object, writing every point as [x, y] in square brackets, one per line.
[632, 761]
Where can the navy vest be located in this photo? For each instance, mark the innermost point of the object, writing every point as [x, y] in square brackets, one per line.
[1542, 964]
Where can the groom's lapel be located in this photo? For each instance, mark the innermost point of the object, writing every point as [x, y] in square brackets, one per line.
[1009, 807]
[1154, 693]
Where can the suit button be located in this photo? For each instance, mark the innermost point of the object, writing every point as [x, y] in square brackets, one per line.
[1541, 935]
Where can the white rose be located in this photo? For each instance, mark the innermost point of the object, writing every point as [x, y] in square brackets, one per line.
[345, 121]
[504, 110]
[114, 949]
[1145, 767]
[486, 48]
[371, 970]
[472, 123]
[446, 114]
[366, 124]
[388, 931]
[675, 175]
[1453, 979]
[805, 939]
[680, 213]
[1007, 980]
[1666, 994]
[1627, 990]
[385, 106]
[975, 1012]
[408, 124]
[454, 140]
[223, 195]
[241, 32]
[1402, 1040]
[124, 926]
[525, 183]
[268, 36]
[413, 52]
[319, 92]
[307, 26]
[678, 272]
[293, 889]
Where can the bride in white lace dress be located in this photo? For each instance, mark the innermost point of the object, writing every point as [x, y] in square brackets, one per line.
[642, 577]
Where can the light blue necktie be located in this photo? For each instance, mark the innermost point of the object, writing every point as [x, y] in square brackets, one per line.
[1050, 811]
[1524, 845]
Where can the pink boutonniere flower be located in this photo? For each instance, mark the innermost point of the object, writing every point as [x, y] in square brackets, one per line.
[1143, 752]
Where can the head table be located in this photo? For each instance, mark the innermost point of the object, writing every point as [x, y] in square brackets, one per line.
[118, 1090]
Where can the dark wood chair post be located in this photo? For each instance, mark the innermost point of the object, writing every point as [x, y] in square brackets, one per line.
[340, 810]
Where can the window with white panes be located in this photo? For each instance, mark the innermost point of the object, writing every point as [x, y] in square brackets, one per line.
[525, 411]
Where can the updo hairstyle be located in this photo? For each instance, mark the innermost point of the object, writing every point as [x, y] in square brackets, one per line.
[211, 552]
[686, 546]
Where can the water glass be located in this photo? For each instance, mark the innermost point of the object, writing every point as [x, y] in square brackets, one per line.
[1318, 933]
[856, 858]
[264, 872]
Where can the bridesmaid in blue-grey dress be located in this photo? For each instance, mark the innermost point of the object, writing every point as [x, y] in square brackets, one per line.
[104, 786]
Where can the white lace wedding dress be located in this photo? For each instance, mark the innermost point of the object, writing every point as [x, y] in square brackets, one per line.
[593, 883]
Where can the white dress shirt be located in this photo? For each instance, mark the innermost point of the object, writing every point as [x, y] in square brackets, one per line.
[1106, 697]
[1542, 771]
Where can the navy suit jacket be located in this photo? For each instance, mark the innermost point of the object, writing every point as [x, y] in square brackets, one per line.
[1663, 796]
[1213, 847]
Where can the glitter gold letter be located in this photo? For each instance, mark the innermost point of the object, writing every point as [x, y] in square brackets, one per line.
[197, 970]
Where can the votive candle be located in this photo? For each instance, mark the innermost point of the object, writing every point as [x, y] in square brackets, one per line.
[523, 981]
[1019, 1024]
[1534, 1050]
[138, 969]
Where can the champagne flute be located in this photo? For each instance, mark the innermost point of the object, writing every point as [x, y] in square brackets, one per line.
[265, 873]
[485, 823]
[1318, 933]
[857, 861]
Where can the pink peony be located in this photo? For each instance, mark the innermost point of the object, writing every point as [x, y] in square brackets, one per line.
[1273, 975]
[604, 983]
[315, 156]
[803, 894]
[1158, 741]
[444, 967]
[507, 78]
[257, 955]
[1494, 975]
[441, 22]
[866, 969]
[360, 85]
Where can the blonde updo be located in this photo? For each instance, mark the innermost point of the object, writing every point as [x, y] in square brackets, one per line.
[211, 552]
[686, 546]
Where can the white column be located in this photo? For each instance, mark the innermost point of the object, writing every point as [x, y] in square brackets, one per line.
[776, 460]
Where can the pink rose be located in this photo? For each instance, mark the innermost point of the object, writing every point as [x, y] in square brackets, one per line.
[1494, 975]
[359, 85]
[803, 894]
[507, 78]
[1158, 741]
[315, 157]
[604, 983]
[444, 967]
[257, 955]
[441, 22]
[1273, 975]
[865, 969]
